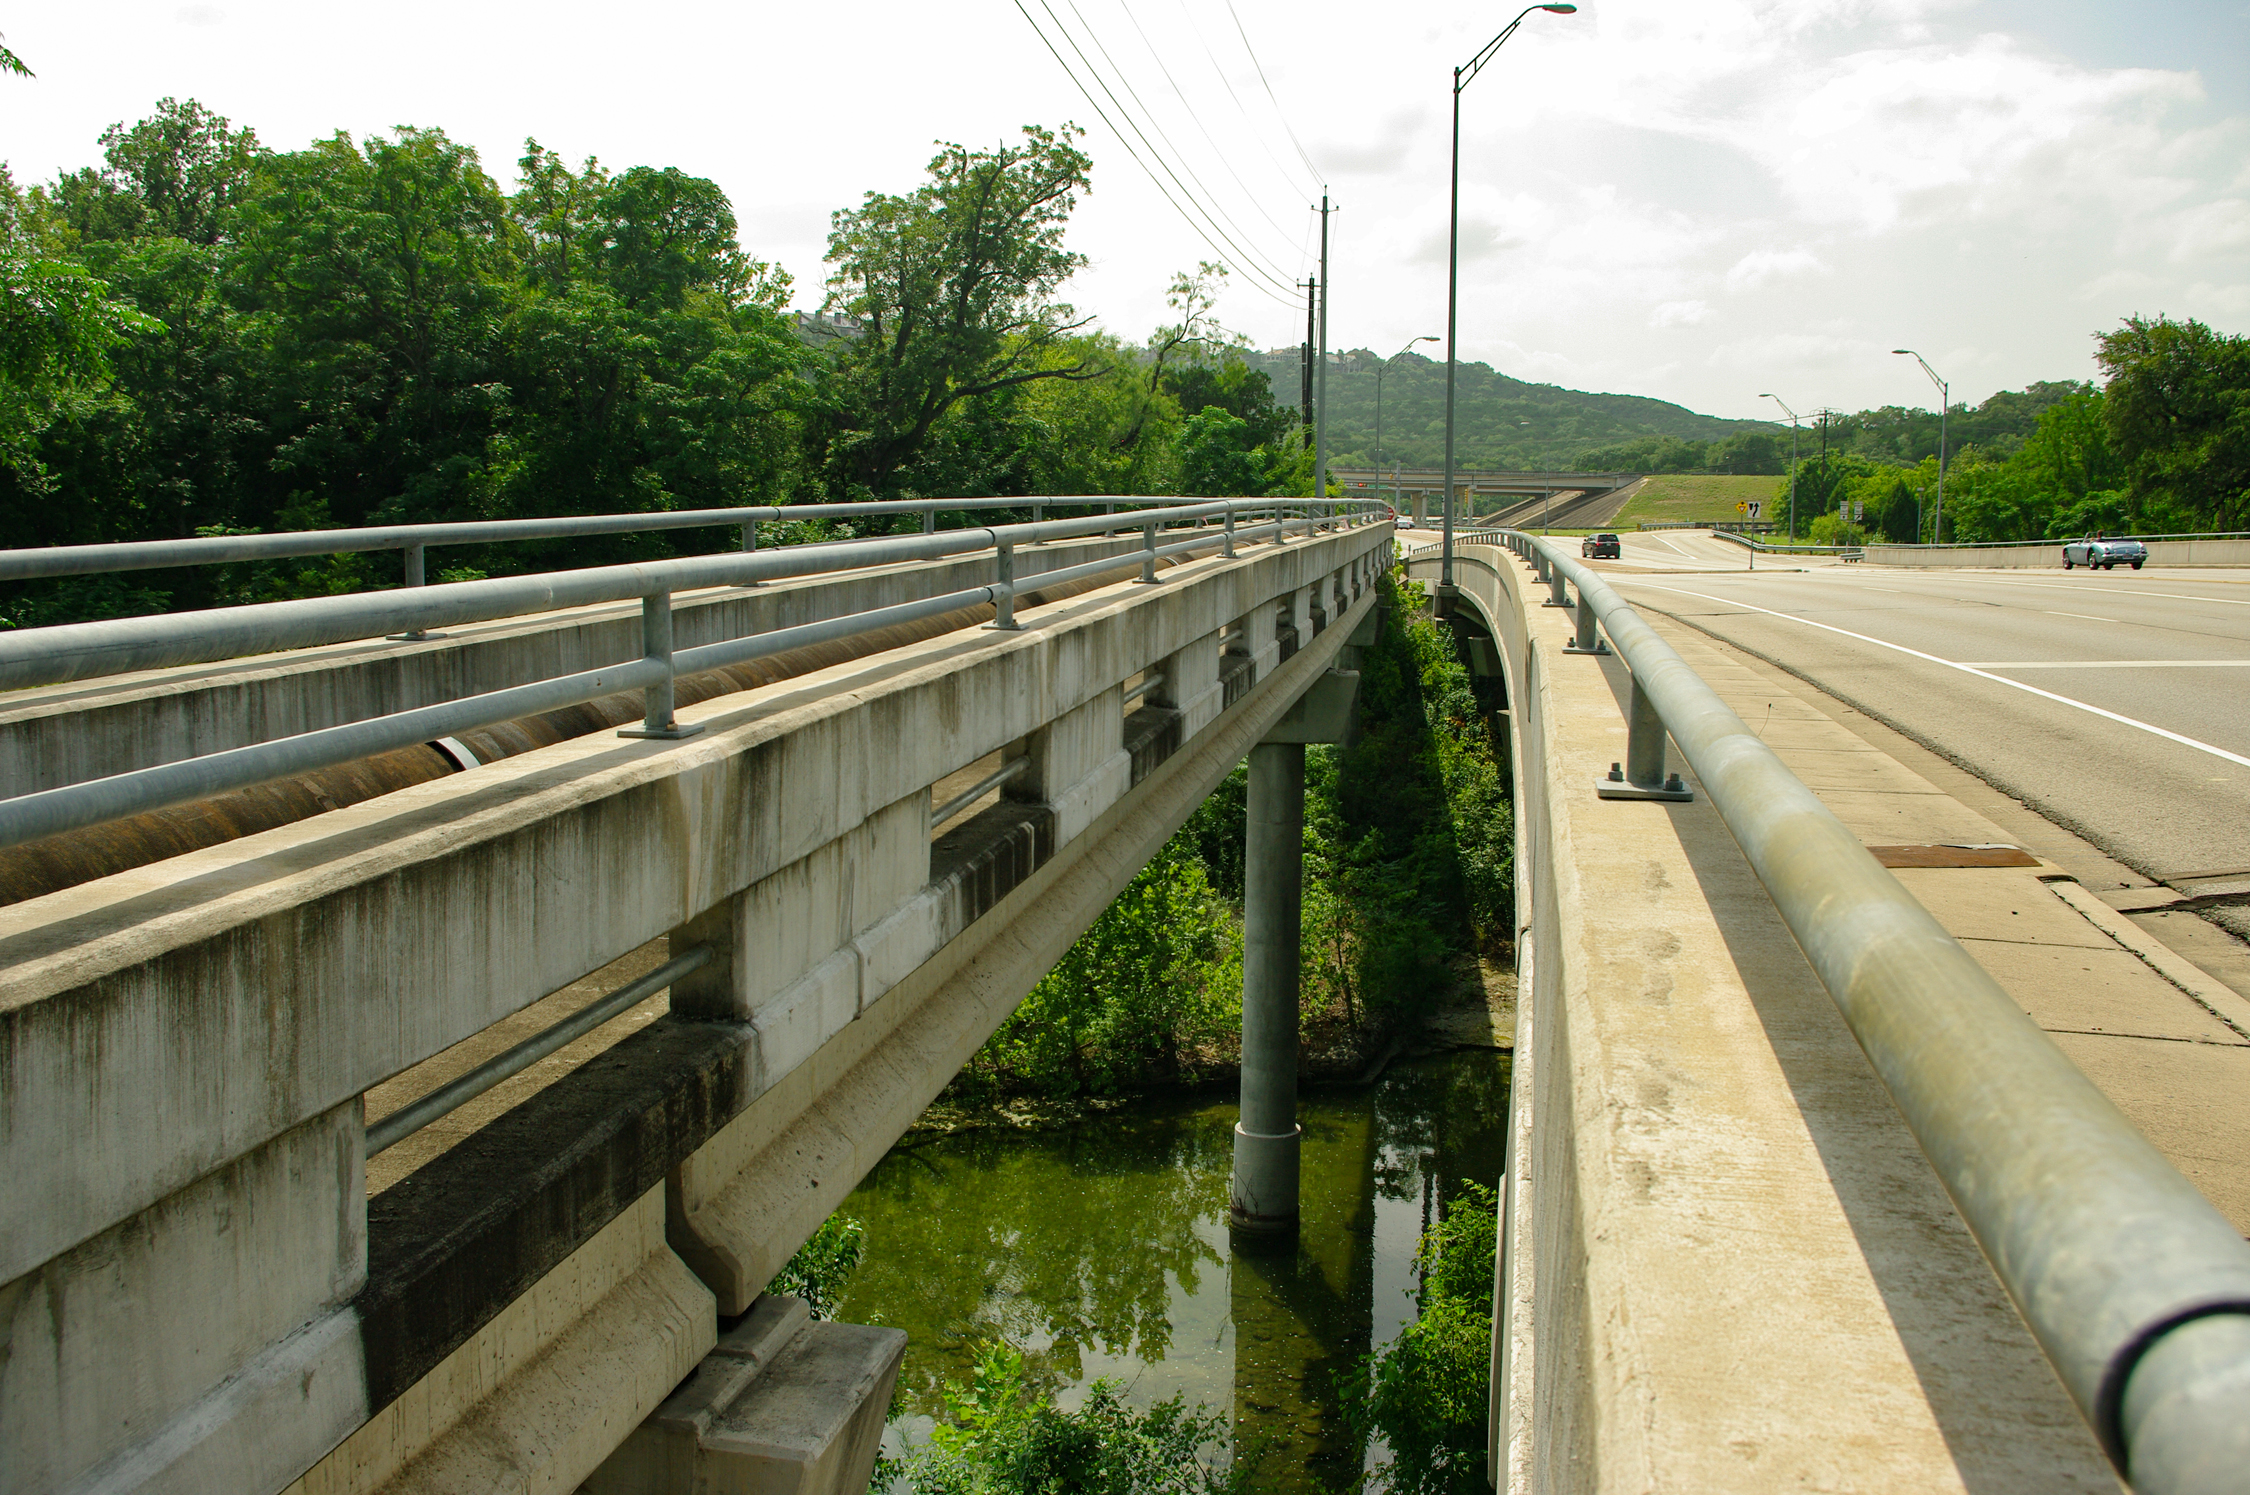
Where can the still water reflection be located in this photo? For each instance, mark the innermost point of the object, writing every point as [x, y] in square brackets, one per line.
[1103, 1250]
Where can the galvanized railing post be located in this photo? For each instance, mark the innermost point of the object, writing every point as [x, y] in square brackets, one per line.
[656, 697]
[1148, 553]
[1586, 641]
[929, 519]
[1557, 595]
[1226, 546]
[413, 563]
[1004, 590]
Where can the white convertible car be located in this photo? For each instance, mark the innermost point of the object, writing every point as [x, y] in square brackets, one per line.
[2103, 552]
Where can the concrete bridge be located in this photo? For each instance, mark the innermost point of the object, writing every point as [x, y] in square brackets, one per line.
[435, 1119]
[231, 1264]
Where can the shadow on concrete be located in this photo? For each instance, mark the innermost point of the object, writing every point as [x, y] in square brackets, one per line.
[1989, 1389]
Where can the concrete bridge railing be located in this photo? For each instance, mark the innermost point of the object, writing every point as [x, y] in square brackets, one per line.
[1732, 1257]
[198, 1291]
[2163, 550]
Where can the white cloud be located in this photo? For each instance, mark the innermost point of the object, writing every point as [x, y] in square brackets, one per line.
[1761, 265]
[1679, 314]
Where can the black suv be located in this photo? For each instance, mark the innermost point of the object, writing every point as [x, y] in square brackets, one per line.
[1601, 548]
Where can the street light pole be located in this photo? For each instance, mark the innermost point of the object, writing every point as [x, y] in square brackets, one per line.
[1784, 404]
[1380, 370]
[1462, 77]
[1944, 403]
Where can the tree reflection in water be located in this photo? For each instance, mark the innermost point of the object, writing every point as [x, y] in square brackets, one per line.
[1102, 1250]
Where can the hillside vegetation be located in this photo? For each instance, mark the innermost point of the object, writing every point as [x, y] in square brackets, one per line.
[1500, 422]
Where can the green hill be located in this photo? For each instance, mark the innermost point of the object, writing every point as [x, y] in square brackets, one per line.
[1500, 422]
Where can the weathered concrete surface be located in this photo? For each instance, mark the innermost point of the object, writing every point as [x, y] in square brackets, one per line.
[163, 1024]
[540, 1394]
[781, 1406]
[1729, 1266]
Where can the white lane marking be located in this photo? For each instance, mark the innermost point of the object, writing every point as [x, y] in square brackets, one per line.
[2074, 586]
[1967, 669]
[2107, 664]
[1894, 591]
[2088, 617]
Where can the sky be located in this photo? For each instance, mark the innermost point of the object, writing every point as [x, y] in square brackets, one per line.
[1699, 200]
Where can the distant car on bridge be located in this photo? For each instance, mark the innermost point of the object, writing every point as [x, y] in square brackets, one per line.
[2103, 552]
[1406, 521]
[1601, 547]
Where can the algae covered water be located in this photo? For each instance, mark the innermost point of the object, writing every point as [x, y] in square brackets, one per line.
[1102, 1250]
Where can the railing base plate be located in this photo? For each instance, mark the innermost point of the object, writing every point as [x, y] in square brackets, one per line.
[1572, 648]
[664, 734]
[1611, 789]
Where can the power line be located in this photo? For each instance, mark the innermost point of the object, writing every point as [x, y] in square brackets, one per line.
[1177, 154]
[1209, 138]
[1251, 262]
[1240, 108]
[1095, 104]
[1318, 176]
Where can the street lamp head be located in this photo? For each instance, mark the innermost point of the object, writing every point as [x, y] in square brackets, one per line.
[1430, 339]
[1909, 352]
[1561, 10]
[1766, 397]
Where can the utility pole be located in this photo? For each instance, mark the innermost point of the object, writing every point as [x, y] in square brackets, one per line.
[1320, 397]
[1305, 369]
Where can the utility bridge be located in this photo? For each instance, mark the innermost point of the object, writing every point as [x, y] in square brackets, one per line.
[432, 1017]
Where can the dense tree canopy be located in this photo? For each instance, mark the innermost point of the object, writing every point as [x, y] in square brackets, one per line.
[204, 335]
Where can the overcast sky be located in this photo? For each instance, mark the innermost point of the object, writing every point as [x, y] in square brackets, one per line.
[1700, 200]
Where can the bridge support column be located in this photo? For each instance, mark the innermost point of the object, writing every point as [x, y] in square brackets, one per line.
[1266, 1139]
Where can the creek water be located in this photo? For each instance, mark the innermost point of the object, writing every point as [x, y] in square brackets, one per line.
[1102, 1250]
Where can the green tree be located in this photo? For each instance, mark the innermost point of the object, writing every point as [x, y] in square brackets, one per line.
[1150, 989]
[2177, 407]
[999, 1437]
[955, 286]
[173, 175]
[1218, 457]
[58, 326]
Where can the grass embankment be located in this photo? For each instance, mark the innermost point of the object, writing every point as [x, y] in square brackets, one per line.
[1689, 497]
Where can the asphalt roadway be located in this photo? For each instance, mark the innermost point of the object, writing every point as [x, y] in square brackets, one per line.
[2116, 704]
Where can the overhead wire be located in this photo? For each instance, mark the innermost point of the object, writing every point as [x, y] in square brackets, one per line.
[1249, 261]
[1256, 133]
[1095, 104]
[1126, 79]
[1319, 177]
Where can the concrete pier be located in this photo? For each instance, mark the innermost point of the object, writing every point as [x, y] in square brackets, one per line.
[1264, 1190]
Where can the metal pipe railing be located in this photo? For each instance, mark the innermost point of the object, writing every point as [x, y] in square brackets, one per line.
[413, 540]
[450, 1097]
[1007, 772]
[2137, 1289]
[77, 651]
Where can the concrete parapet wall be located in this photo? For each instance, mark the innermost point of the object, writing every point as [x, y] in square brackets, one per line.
[2049, 557]
[162, 1029]
[1726, 1265]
